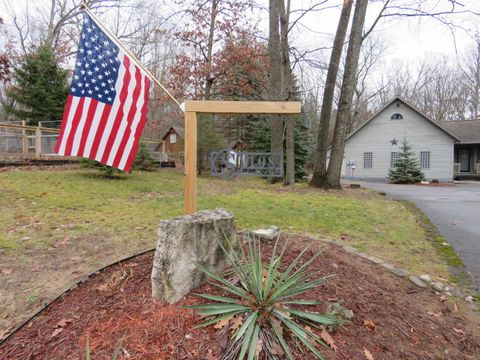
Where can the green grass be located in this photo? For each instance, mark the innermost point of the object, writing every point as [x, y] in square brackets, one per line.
[47, 206]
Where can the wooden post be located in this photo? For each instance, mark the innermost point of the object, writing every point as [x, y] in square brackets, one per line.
[24, 139]
[192, 108]
[190, 162]
[38, 143]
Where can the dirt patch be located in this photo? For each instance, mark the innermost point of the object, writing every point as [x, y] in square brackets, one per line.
[114, 306]
[33, 276]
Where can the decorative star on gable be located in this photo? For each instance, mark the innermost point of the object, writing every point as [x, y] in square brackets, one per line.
[394, 141]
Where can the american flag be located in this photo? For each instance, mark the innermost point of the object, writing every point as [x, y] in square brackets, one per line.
[107, 103]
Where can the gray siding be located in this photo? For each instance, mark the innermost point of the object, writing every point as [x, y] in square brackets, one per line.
[422, 135]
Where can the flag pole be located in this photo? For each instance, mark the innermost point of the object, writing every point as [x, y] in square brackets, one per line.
[84, 6]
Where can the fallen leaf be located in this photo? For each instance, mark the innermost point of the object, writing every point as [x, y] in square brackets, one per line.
[64, 322]
[236, 323]
[222, 323]
[277, 350]
[65, 241]
[328, 339]
[458, 331]
[210, 355]
[455, 307]
[4, 334]
[431, 313]
[278, 325]
[367, 354]
[57, 331]
[75, 258]
[235, 280]
[259, 348]
[6, 271]
[369, 324]
[5, 315]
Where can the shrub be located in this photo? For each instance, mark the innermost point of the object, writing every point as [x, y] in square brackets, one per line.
[143, 159]
[263, 307]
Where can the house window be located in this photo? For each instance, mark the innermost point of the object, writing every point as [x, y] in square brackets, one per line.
[425, 159]
[367, 160]
[396, 116]
[394, 158]
[173, 138]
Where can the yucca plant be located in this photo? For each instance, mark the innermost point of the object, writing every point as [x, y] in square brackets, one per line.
[262, 308]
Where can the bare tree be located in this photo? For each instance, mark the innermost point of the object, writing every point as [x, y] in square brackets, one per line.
[471, 79]
[275, 74]
[320, 154]
[344, 114]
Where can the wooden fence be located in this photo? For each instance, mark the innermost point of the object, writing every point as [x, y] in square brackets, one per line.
[37, 142]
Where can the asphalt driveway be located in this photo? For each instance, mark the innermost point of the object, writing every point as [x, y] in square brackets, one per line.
[455, 210]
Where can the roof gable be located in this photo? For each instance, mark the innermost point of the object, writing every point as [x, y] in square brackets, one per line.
[397, 98]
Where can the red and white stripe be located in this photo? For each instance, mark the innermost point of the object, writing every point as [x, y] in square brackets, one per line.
[103, 132]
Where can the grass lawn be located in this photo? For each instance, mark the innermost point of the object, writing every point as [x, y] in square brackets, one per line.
[57, 225]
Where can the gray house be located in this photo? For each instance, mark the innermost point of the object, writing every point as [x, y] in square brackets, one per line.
[372, 149]
[467, 151]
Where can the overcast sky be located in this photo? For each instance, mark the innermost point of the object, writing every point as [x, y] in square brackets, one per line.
[403, 38]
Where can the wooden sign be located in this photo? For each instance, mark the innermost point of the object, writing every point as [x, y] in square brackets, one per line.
[191, 109]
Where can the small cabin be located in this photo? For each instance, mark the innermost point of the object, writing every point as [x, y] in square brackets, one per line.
[172, 146]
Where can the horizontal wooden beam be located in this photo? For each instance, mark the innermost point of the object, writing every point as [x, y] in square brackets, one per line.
[243, 107]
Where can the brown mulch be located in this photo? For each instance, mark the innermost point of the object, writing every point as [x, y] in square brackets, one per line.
[393, 319]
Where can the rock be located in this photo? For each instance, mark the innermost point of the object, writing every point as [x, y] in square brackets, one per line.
[184, 242]
[350, 249]
[25, 238]
[437, 286]
[457, 292]
[375, 259]
[397, 271]
[426, 278]
[469, 299]
[270, 233]
[415, 280]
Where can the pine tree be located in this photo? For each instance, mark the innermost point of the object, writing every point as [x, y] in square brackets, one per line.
[40, 90]
[406, 169]
[260, 141]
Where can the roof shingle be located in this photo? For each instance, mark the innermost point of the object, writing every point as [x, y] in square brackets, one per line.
[468, 131]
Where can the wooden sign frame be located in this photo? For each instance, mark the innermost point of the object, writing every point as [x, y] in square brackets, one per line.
[192, 108]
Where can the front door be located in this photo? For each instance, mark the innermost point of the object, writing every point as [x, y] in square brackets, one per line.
[464, 159]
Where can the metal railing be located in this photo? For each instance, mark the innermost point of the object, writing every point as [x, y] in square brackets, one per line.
[475, 170]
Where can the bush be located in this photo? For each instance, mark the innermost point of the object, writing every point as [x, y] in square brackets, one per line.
[261, 308]
[143, 159]
[105, 170]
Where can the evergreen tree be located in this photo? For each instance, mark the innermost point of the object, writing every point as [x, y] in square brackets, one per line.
[260, 141]
[40, 90]
[209, 138]
[406, 169]
[143, 159]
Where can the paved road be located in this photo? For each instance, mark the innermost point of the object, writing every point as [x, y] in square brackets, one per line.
[454, 210]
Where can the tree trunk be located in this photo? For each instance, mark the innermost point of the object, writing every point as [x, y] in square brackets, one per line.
[209, 77]
[344, 113]
[320, 154]
[289, 121]
[276, 76]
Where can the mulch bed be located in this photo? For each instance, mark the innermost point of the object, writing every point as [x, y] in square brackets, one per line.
[393, 319]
